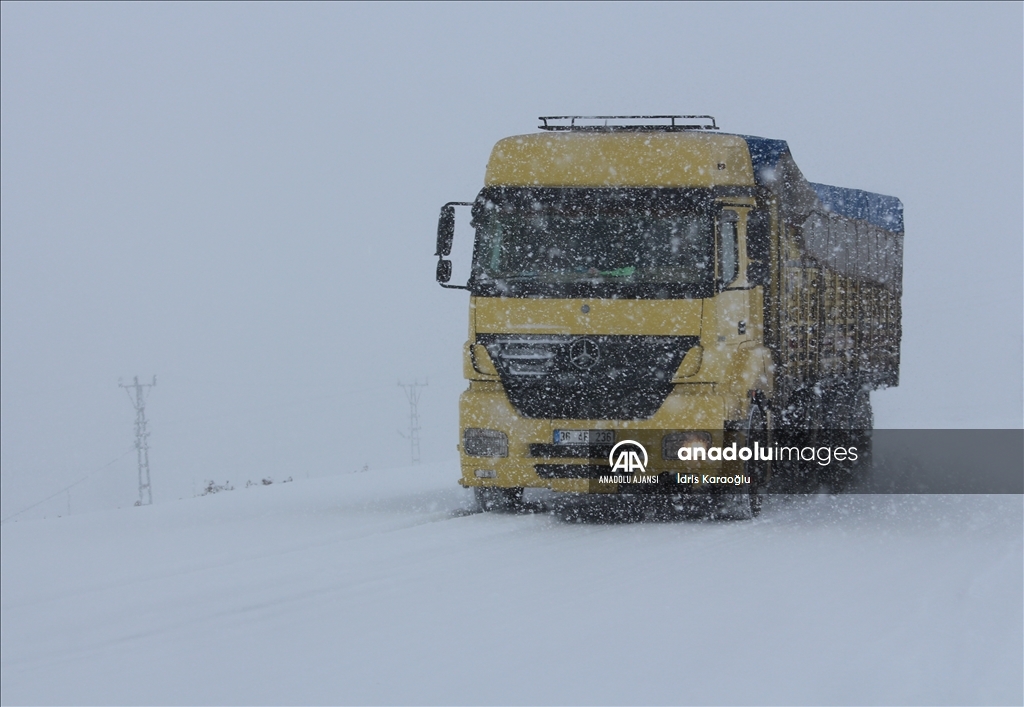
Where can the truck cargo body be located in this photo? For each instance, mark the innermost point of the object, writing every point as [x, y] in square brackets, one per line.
[652, 283]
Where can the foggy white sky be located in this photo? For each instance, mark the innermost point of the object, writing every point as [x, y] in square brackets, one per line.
[242, 199]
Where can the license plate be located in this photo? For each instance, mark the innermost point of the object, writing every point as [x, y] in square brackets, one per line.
[584, 436]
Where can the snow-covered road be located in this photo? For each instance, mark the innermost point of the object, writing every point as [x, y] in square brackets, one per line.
[382, 587]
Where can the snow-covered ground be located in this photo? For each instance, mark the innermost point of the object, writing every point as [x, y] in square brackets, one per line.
[384, 587]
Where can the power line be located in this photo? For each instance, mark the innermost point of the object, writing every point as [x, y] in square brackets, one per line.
[252, 411]
[68, 488]
[141, 436]
[412, 393]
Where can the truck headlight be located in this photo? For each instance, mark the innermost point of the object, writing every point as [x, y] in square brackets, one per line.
[484, 443]
[671, 443]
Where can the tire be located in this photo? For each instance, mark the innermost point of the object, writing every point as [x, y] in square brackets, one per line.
[849, 424]
[801, 422]
[757, 431]
[498, 498]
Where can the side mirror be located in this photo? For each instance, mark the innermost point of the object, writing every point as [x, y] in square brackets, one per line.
[445, 236]
[444, 270]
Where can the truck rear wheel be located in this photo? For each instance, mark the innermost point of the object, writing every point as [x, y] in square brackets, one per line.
[849, 423]
[497, 498]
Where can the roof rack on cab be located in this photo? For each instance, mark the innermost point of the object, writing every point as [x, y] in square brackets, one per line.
[636, 123]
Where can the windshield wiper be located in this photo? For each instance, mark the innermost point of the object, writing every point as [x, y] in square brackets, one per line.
[617, 272]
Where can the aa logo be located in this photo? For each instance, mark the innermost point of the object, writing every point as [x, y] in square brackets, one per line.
[625, 457]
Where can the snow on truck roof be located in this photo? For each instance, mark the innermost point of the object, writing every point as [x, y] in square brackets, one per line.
[877, 209]
[766, 156]
[670, 158]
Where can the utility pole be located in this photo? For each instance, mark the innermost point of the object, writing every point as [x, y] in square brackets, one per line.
[412, 393]
[141, 436]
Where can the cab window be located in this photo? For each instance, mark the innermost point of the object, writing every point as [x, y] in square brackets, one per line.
[728, 255]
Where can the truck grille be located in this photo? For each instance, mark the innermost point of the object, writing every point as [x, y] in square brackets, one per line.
[587, 377]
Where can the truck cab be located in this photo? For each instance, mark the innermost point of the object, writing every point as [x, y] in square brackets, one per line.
[626, 280]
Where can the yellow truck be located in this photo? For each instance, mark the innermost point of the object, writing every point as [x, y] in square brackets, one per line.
[655, 280]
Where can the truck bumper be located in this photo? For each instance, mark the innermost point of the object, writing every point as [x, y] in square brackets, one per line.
[532, 460]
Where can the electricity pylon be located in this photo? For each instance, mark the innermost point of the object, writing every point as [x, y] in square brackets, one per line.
[141, 436]
[412, 393]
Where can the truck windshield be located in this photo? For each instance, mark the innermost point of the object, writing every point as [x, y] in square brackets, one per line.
[575, 242]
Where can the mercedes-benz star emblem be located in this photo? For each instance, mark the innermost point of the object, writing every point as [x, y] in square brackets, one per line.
[584, 353]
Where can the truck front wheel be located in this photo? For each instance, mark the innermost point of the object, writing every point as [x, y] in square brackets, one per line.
[757, 431]
[497, 498]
